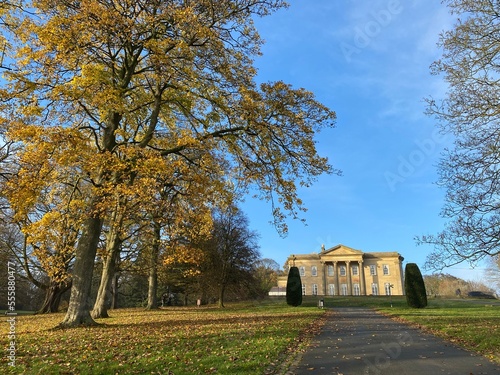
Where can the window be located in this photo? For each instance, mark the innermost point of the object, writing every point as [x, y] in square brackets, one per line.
[342, 271]
[315, 289]
[330, 270]
[373, 270]
[303, 289]
[343, 288]
[385, 269]
[357, 291]
[355, 270]
[387, 287]
[375, 289]
[302, 271]
[314, 271]
[331, 289]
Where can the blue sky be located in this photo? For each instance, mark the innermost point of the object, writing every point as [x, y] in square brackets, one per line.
[369, 61]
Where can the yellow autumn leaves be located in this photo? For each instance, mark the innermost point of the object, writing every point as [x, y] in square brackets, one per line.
[150, 106]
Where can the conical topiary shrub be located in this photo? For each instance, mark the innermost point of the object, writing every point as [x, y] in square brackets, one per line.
[416, 295]
[294, 287]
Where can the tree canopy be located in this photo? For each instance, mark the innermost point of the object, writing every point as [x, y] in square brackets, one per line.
[230, 253]
[469, 171]
[112, 102]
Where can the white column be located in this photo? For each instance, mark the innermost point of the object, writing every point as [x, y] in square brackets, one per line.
[336, 277]
[323, 264]
[362, 278]
[349, 281]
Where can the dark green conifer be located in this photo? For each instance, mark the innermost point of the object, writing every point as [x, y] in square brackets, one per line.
[416, 295]
[294, 287]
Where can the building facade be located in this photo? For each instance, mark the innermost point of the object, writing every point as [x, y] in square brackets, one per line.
[344, 271]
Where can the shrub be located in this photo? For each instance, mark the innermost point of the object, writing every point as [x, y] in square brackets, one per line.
[416, 295]
[294, 287]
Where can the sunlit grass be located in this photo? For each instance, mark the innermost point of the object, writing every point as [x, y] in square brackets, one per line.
[241, 339]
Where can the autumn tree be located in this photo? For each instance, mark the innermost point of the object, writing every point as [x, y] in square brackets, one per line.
[266, 272]
[182, 269]
[49, 278]
[116, 93]
[153, 217]
[41, 243]
[177, 278]
[230, 252]
[178, 217]
[52, 242]
[469, 170]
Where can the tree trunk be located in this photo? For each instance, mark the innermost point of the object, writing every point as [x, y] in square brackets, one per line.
[100, 309]
[114, 291]
[53, 296]
[221, 295]
[152, 288]
[113, 244]
[79, 304]
[153, 269]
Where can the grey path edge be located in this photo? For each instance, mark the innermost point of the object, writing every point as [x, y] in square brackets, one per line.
[362, 341]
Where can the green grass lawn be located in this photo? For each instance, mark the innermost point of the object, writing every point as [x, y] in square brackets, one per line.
[240, 339]
[244, 338]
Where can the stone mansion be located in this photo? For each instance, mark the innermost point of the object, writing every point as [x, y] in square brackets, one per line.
[342, 270]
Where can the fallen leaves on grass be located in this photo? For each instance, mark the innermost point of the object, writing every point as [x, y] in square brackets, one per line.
[177, 340]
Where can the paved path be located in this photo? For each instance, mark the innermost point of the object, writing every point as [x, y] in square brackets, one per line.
[361, 341]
